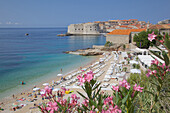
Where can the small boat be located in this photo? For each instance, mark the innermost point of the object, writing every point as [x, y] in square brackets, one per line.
[26, 34]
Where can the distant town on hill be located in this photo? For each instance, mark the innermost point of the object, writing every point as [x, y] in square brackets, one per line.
[98, 27]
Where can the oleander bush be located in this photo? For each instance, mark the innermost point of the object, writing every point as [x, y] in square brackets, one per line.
[146, 93]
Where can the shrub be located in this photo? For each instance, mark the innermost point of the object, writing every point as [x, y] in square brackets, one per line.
[108, 44]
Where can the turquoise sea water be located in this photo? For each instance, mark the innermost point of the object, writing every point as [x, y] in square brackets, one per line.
[39, 56]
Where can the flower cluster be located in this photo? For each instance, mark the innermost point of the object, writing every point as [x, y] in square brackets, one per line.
[52, 107]
[46, 91]
[74, 100]
[160, 70]
[86, 77]
[137, 88]
[125, 84]
[151, 36]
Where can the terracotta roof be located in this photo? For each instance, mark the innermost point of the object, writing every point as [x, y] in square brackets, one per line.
[163, 26]
[124, 20]
[133, 19]
[125, 31]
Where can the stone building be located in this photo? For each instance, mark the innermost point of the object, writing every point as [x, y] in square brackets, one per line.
[163, 28]
[164, 21]
[84, 28]
[122, 36]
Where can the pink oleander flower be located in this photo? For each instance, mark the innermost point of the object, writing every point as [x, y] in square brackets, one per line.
[155, 62]
[43, 93]
[81, 80]
[108, 100]
[149, 73]
[74, 96]
[168, 70]
[137, 88]
[112, 110]
[125, 84]
[48, 90]
[161, 41]
[92, 111]
[52, 107]
[115, 88]
[74, 100]
[154, 72]
[151, 36]
[89, 77]
[163, 66]
[85, 102]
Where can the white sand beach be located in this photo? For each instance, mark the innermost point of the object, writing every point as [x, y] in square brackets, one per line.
[106, 72]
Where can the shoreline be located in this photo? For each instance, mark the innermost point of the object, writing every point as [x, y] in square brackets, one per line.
[8, 100]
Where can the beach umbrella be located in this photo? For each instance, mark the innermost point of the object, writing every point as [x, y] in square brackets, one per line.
[56, 89]
[60, 75]
[15, 104]
[135, 71]
[36, 89]
[45, 84]
[133, 62]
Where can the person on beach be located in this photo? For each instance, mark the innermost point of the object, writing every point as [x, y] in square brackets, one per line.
[22, 82]
[13, 96]
[61, 70]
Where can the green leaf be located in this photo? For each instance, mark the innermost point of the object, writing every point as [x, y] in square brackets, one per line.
[158, 88]
[167, 43]
[125, 98]
[156, 54]
[44, 105]
[93, 103]
[160, 81]
[166, 59]
[149, 92]
[68, 100]
[153, 83]
[81, 95]
[117, 98]
[92, 82]
[61, 107]
[85, 108]
[96, 86]
[98, 92]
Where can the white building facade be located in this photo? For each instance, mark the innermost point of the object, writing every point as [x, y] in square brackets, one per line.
[84, 28]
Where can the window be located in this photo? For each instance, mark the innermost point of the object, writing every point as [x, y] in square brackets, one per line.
[75, 29]
[95, 29]
[82, 29]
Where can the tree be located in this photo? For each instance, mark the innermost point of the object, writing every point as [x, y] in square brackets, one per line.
[142, 41]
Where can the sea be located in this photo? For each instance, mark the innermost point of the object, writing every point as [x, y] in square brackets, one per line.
[39, 56]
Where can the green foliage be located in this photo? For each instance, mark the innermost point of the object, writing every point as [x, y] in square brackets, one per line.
[136, 66]
[142, 41]
[137, 59]
[125, 69]
[125, 99]
[108, 44]
[124, 46]
[141, 80]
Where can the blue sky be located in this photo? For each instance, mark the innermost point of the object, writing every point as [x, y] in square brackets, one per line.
[55, 13]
